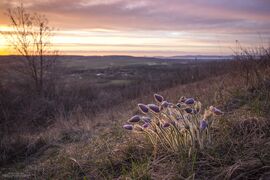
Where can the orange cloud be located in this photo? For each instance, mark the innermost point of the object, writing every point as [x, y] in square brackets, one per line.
[152, 27]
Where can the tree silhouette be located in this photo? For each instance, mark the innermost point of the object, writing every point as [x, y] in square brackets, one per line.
[30, 37]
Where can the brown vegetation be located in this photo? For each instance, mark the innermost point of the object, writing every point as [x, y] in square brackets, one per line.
[79, 143]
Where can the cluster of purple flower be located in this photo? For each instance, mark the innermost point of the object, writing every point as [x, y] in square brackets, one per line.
[185, 116]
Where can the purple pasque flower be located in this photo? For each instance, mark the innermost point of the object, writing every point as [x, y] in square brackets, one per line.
[189, 110]
[135, 118]
[173, 123]
[178, 118]
[165, 104]
[203, 124]
[158, 98]
[195, 111]
[146, 119]
[143, 108]
[154, 108]
[128, 127]
[216, 111]
[145, 125]
[182, 99]
[189, 101]
[166, 124]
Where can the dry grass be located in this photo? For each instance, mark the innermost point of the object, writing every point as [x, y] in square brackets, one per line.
[78, 146]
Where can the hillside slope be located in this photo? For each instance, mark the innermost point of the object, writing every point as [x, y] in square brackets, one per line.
[102, 149]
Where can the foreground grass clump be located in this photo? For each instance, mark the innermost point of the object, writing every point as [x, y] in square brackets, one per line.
[183, 126]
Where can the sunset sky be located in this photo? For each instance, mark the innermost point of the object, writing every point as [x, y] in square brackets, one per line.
[149, 27]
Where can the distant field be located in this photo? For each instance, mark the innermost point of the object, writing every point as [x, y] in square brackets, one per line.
[94, 62]
[105, 70]
[115, 79]
[122, 71]
[118, 71]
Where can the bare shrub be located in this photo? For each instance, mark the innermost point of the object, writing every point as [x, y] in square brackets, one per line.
[30, 38]
[253, 65]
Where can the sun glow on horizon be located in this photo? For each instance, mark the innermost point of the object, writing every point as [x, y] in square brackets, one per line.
[135, 43]
[3, 46]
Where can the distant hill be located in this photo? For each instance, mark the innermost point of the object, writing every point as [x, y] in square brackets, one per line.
[198, 57]
[124, 57]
